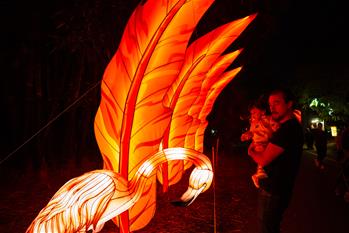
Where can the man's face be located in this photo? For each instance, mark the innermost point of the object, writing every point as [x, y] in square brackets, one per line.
[278, 107]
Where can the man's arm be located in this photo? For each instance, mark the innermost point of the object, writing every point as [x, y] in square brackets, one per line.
[270, 153]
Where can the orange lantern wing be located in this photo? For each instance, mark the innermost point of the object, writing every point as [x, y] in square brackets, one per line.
[212, 94]
[212, 76]
[183, 95]
[131, 119]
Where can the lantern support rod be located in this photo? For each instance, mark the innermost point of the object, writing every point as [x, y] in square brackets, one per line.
[214, 164]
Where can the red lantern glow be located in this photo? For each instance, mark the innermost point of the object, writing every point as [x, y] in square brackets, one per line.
[156, 94]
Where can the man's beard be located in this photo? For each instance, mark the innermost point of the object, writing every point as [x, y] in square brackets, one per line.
[276, 116]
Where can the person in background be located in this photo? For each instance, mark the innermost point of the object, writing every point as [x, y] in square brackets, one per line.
[320, 139]
[345, 147]
[342, 184]
[280, 160]
[339, 149]
[342, 144]
[309, 138]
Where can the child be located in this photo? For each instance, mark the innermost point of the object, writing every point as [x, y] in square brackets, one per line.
[261, 129]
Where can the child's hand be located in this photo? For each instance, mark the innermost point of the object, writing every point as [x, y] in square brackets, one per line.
[252, 150]
[246, 136]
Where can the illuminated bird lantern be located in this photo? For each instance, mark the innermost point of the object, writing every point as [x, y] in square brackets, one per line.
[88, 201]
[156, 93]
[153, 89]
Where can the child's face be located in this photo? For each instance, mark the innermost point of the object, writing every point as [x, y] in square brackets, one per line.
[256, 113]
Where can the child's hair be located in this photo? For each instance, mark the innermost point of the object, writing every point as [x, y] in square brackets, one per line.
[260, 104]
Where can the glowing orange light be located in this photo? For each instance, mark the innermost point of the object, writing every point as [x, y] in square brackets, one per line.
[131, 119]
[156, 93]
[147, 86]
[203, 66]
[88, 201]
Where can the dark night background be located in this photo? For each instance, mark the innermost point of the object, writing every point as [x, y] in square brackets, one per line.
[53, 52]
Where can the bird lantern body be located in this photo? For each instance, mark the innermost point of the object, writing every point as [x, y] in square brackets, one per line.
[156, 93]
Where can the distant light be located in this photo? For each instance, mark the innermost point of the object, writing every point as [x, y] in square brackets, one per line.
[330, 111]
[334, 131]
[316, 121]
[314, 103]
